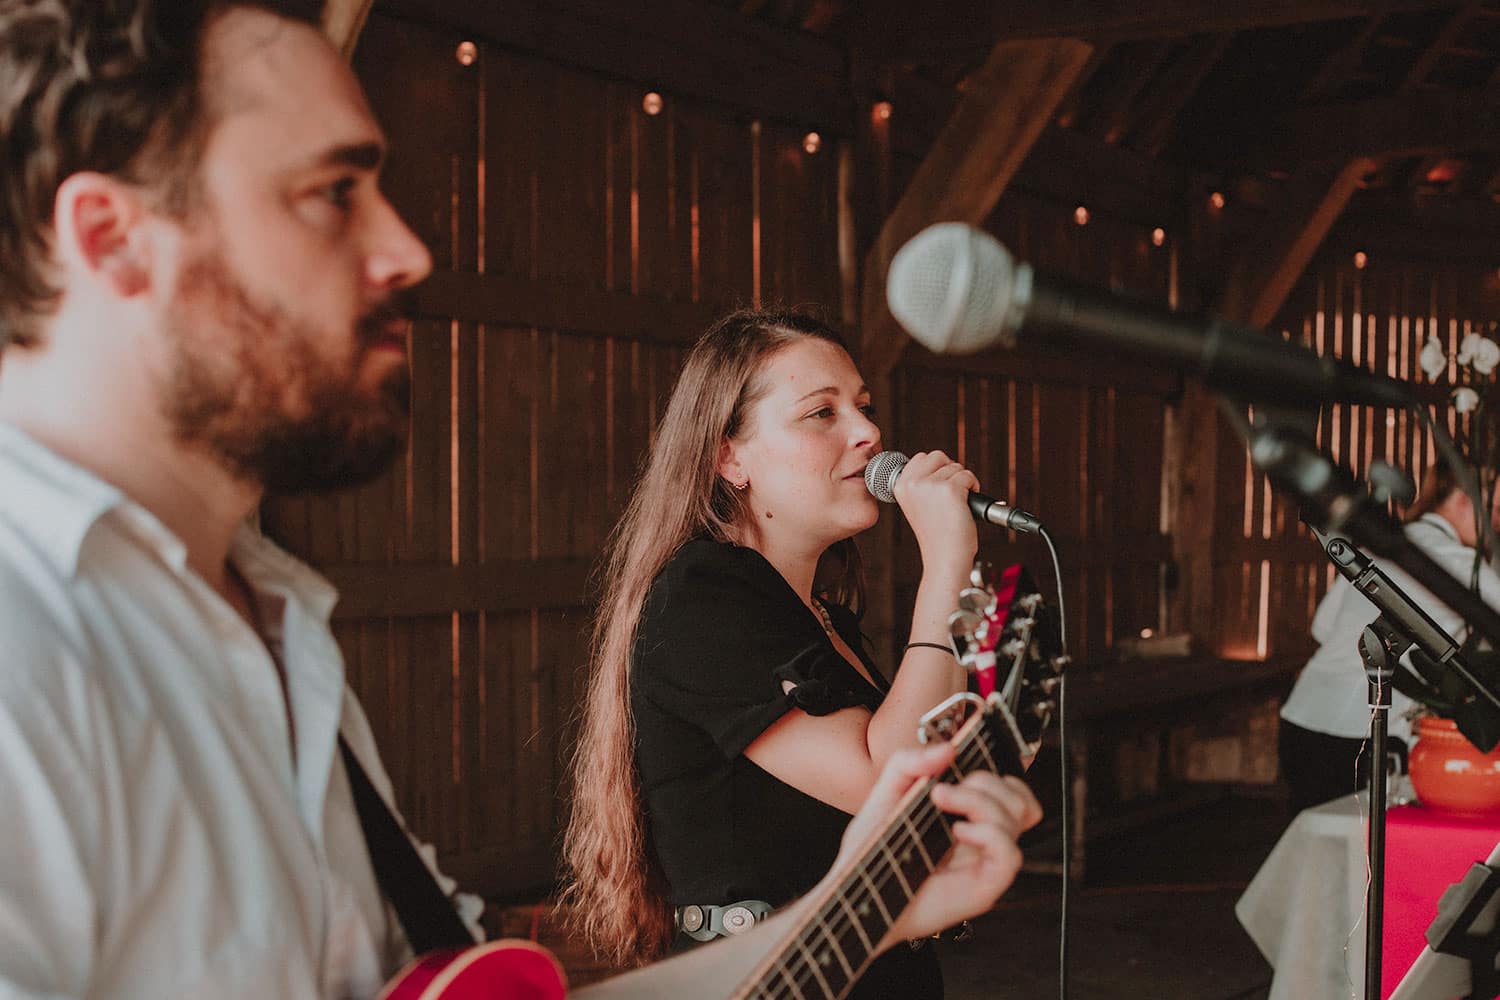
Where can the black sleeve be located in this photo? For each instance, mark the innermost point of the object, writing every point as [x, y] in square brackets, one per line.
[720, 633]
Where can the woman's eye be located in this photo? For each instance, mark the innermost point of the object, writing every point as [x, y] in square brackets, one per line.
[822, 412]
[868, 410]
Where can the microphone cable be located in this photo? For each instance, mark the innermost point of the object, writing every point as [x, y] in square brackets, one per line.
[1062, 770]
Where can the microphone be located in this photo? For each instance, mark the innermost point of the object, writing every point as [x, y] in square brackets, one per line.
[880, 480]
[956, 290]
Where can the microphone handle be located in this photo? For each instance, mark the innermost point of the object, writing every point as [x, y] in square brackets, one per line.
[988, 510]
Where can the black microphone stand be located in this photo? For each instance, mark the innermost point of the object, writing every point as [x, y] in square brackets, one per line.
[1333, 501]
[1381, 647]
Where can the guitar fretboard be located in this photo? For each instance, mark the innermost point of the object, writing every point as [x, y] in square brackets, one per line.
[838, 942]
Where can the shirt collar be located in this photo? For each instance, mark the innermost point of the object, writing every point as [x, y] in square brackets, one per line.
[57, 503]
[268, 567]
[1441, 523]
[53, 501]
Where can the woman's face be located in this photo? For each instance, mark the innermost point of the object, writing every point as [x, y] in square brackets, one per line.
[805, 446]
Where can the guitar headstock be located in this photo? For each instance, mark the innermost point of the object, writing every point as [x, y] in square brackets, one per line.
[1011, 640]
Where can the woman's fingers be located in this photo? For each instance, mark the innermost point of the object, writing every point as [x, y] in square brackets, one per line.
[1004, 802]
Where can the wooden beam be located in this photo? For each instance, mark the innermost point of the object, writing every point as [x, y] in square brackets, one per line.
[1064, 165]
[1413, 124]
[1446, 37]
[958, 28]
[1269, 264]
[419, 591]
[1108, 121]
[686, 48]
[1005, 106]
[510, 300]
[343, 20]
[1164, 102]
[1337, 68]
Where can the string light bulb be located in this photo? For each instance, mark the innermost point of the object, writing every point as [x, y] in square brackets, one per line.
[1360, 259]
[1216, 199]
[812, 142]
[467, 53]
[1081, 215]
[651, 103]
[1158, 236]
[882, 111]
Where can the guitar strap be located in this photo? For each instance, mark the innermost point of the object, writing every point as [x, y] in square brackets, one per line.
[425, 911]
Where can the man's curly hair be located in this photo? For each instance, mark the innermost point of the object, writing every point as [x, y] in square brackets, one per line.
[113, 86]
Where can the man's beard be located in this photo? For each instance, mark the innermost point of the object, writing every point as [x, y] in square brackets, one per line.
[248, 383]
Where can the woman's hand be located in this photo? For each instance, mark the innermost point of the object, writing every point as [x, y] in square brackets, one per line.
[985, 858]
[933, 491]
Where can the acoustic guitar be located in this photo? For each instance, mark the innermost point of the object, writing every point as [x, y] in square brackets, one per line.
[1002, 623]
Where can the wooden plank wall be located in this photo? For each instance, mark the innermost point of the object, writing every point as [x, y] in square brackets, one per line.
[578, 244]
[1073, 440]
[1270, 572]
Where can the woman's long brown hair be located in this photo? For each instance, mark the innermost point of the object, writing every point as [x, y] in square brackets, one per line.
[616, 893]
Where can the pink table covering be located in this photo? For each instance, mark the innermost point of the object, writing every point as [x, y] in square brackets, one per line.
[1425, 851]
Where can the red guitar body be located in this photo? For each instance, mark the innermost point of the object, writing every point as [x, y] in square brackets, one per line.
[500, 970]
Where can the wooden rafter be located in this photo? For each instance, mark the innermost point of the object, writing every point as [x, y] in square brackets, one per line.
[1269, 265]
[1005, 106]
[943, 28]
[1108, 122]
[1164, 102]
[1417, 123]
[1447, 35]
[1337, 68]
[343, 20]
[685, 48]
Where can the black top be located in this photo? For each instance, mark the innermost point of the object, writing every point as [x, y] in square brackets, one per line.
[720, 633]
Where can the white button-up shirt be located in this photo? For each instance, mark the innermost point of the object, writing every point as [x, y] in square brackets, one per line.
[164, 831]
[1331, 695]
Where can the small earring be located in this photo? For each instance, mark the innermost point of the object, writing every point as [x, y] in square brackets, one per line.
[742, 486]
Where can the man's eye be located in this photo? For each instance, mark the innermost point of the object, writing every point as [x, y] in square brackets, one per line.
[340, 192]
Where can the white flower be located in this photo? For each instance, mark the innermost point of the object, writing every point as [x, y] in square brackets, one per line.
[1467, 348]
[1465, 399]
[1432, 359]
[1486, 356]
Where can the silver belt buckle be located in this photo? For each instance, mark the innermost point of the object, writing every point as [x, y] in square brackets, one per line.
[691, 918]
[738, 920]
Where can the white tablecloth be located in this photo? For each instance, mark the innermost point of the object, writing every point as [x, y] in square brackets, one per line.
[1305, 907]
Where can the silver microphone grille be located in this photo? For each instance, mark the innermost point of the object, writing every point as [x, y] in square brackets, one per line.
[881, 473]
[953, 288]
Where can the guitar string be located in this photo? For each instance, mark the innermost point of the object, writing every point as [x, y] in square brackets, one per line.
[799, 974]
[925, 816]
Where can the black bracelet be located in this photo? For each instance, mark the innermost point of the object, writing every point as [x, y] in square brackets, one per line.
[929, 645]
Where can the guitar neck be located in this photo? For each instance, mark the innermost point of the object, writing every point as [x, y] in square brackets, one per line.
[837, 941]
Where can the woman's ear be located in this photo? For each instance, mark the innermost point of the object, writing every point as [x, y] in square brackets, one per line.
[730, 467]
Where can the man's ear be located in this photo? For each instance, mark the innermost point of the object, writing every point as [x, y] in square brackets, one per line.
[100, 231]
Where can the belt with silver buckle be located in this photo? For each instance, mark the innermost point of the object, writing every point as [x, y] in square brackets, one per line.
[704, 923]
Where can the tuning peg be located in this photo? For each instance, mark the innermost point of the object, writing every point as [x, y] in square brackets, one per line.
[965, 624]
[1043, 709]
[977, 600]
[980, 574]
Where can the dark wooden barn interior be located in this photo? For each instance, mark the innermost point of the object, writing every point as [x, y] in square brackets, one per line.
[598, 181]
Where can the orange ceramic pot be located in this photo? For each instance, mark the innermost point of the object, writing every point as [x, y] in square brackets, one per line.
[1448, 773]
